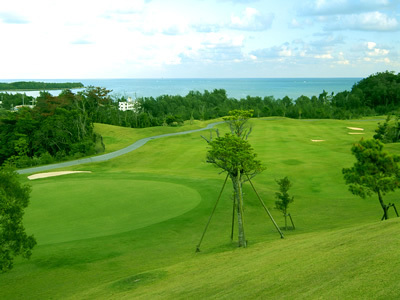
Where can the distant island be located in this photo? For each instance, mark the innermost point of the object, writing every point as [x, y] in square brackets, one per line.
[37, 86]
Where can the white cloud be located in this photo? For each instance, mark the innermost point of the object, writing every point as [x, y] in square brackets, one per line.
[371, 45]
[12, 18]
[378, 52]
[285, 51]
[375, 21]
[341, 59]
[252, 20]
[136, 38]
[345, 7]
[324, 56]
[217, 48]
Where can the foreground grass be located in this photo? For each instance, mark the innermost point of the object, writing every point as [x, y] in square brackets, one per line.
[353, 263]
[117, 257]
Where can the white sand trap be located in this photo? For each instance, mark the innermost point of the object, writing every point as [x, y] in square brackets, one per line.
[356, 133]
[355, 128]
[52, 174]
[317, 141]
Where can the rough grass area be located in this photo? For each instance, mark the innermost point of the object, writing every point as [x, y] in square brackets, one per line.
[130, 228]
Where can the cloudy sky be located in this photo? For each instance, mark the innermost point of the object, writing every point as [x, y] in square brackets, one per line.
[198, 38]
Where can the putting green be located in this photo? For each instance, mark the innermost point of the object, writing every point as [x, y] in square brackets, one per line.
[68, 209]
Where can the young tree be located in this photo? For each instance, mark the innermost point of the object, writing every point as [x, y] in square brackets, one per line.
[375, 171]
[236, 157]
[283, 198]
[14, 198]
[237, 120]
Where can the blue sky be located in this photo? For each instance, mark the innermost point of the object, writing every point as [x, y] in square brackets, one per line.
[198, 39]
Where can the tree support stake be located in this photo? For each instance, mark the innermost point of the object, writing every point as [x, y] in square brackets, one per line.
[212, 213]
[266, 209]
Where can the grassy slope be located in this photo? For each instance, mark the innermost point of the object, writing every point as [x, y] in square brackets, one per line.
[353, 263]
[162, 253]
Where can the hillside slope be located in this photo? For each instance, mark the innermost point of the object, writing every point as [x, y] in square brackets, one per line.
[361, 262]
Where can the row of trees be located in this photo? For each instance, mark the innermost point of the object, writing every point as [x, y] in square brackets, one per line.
[376, 94]
[9, 101]
[35, 85]
[57, 128]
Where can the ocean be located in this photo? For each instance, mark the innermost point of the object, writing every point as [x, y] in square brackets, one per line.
[235, 87]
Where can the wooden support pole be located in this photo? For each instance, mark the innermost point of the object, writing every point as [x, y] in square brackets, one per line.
[291, 220]
[242, 236]
[266, 209]
[212, 213]
[395, 209]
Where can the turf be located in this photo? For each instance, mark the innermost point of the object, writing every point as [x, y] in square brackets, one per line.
[103, 206]
[339, 249]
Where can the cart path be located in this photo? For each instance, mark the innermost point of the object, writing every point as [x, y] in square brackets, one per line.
[108, 156]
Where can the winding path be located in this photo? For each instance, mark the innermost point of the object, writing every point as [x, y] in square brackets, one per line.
[108, 156]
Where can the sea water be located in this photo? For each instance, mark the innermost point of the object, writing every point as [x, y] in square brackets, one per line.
[235, 87]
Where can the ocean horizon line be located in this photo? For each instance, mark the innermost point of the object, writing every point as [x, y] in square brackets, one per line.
[178, 78]
[235, 87]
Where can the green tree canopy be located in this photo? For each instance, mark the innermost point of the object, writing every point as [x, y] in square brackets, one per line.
[375, 171]
[232, 154]
[14, 198]
[237, 120]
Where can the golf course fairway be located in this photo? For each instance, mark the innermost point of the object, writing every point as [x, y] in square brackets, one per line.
[129, 228]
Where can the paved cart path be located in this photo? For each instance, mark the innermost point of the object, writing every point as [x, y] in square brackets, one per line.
[108, 156]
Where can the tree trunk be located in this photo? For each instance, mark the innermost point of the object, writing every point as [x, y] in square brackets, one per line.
[233, 216]
[384, 206]
[285, 221]
[237, 184]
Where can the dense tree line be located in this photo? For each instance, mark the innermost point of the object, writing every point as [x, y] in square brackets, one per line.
[35, 85]
[376, 94]
[9, 101]
[57, 128]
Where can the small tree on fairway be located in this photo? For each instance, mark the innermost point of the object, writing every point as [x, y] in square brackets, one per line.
[236, 157]
[14, 197]
[283, 198]
[375, 171]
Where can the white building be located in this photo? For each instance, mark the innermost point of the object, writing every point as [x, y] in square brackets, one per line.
[17, 107]
[129, 105]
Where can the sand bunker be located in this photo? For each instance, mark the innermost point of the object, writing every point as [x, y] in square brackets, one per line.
[355, 128]
[52, 174]
[356, 133]
[317, 140]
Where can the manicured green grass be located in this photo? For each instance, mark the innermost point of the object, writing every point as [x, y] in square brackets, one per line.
[130, 228]
[103, 206]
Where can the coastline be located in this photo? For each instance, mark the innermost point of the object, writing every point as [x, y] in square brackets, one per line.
[39, 90]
